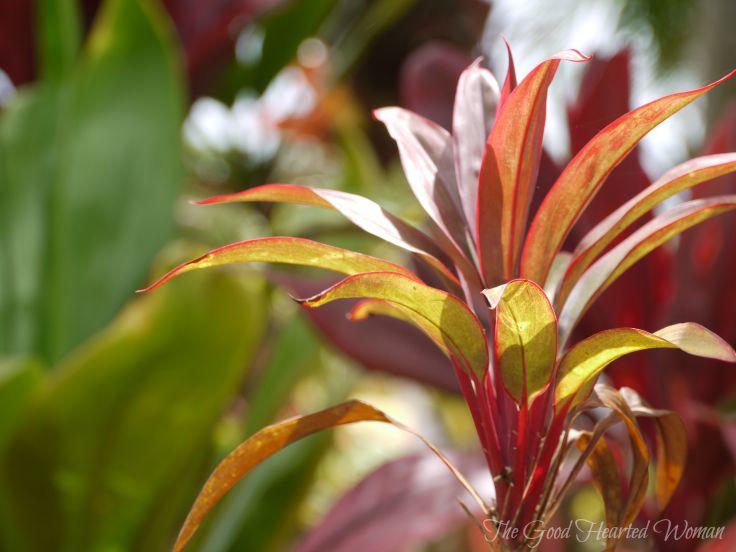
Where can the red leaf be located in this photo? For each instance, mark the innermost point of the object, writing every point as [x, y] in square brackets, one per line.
[585, 174]
[403, 504]
[509, 171]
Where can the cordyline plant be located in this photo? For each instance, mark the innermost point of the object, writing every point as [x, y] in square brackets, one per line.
[506, 298]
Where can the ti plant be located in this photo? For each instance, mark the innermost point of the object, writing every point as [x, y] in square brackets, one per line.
[504, 298]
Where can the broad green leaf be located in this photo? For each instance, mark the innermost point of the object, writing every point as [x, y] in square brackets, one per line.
[508, 172]
[647, 238]
[476, 102]
[580, 366]
[272, 439]
[586, 173]
[114, 440]
[59, 35]
[453, 323]
[364, 213]
[526, 337]
[684, 176]
[288, 250]
[671, 445]
[91, 164]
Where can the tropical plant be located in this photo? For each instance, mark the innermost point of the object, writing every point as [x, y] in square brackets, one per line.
[503, 298]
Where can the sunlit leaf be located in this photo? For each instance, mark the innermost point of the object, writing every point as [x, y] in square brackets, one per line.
[509, 169]
[586, 173]
[525, 338]
[299, 251]
[582, 363]
[461, 332]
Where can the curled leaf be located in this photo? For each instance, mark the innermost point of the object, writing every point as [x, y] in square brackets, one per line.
[671, 445]
[476, 103]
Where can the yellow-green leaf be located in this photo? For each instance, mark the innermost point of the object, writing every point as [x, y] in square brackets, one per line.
[526, 337]
[454, 323]
[582, 364]
[299, 251]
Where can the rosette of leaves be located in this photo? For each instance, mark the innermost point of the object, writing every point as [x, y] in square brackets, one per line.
[504, 297]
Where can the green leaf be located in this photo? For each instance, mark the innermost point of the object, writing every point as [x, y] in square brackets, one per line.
[525, 343]
[91, 167]
[18, 378]
[124, 424]
[580, 366]
[299, 251]
[59, 31]
[586, 173]
[454, 326]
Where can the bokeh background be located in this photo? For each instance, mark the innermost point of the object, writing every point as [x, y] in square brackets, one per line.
[116, 114]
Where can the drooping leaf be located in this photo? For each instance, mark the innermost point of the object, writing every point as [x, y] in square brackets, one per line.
[91, 165]
[605, 475]
[509, 169]
[18, 378]
[461, 332]
[682, 177]
[113, 444]
[359, 210]
[650, 236]
[639, 477]
[586, 173]
[426, 153]
[299, 251]
[526, 337]
[476, 103]
[270, 440]
[671, 445]
[582, 363]
[401, 505]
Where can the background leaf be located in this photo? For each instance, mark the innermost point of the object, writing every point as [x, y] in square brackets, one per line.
[91, 166]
